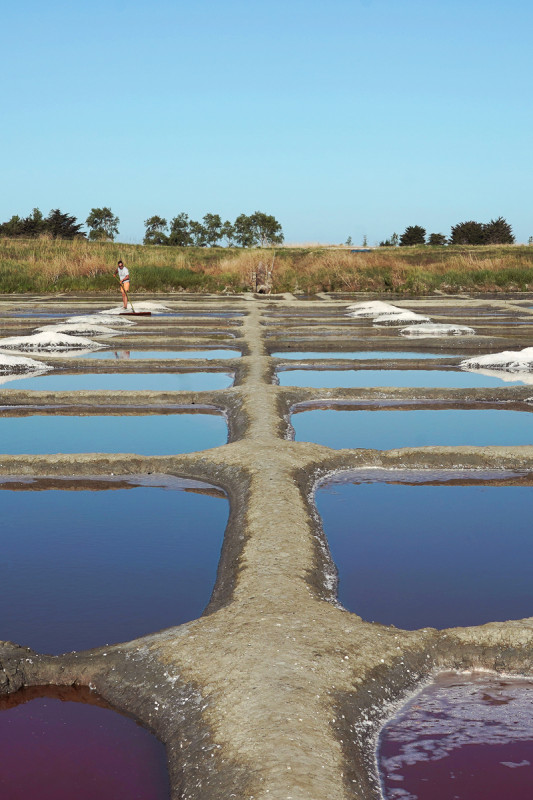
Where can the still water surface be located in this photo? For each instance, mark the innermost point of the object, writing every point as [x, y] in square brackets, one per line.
[409, 378]
[151, 434]
[461, 739]
[386, 429]
[430, 556]
[127, 381]
[59, 750]
[125, 355]
[88, 568]
[303, 355]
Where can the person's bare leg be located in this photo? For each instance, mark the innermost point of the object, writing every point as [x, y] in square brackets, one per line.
[124, 288]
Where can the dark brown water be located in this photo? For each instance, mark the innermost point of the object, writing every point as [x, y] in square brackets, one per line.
[462, 738]
[53, 749]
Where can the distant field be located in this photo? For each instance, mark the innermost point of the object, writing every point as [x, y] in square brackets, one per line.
[42, 265]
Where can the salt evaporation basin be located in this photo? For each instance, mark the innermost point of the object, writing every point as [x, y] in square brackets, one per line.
[462, 738]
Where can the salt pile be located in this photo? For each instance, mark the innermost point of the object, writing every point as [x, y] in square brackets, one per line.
[398, 317]
[98, 319]
[142, 305]
[76, 328]
[437, 329]
[10, 363]
[49, 340]
[508, 360]
[373, 308]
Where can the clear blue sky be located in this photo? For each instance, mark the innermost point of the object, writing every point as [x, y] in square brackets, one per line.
[346, 117]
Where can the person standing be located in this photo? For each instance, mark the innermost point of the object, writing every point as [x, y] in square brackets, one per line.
[124, 278]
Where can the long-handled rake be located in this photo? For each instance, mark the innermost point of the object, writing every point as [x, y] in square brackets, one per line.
[132, 313]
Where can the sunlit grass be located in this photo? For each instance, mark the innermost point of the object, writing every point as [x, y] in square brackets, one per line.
[45, 265]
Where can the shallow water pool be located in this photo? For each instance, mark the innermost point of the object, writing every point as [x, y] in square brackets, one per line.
[125, 355]
[359, 354]
[149, 434]
[440, 556]
[125, 381]
[409, 378]
[462, 738]
[92, 566]
[387, 429]
[53, 749]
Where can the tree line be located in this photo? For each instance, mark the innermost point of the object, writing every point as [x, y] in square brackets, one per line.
[254, 230]
[497, 231]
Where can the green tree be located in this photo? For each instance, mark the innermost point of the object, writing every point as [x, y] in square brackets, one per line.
[348, 241]
[13, 227]
[198, 233]
[155, 230]
[227, 232]
[212, 228]
[34, 224]
[437, 239]
[498, 231]
[63, 226]
[243, 231]
[413, 235]
[266, 228]
[468, 233]
[180, 234]
[103, 224]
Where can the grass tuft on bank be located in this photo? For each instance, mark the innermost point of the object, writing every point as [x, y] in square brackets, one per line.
[49, 266]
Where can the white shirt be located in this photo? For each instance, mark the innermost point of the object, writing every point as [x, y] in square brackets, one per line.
[123, 273]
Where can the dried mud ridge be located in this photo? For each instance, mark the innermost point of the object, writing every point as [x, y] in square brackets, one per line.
[276, 692]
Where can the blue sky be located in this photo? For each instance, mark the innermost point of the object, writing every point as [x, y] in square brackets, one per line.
[340, 118]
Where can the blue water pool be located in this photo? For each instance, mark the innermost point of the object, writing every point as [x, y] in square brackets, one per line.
[387, 429]
[302, 355]
[409, 378]
[125, 355]
[90, 567]
[125, 381]
[152, 434]
[430, 556]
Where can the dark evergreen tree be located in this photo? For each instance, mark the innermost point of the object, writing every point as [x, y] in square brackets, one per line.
[468, 233]
[63, 226]
[437, 240]
[498, 231]
[12, 228]
[413, 235]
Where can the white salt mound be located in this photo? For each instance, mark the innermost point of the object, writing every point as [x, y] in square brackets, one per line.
[399, 317]
[372, 308]
[10, 363]
[78, 328]
[49, 341]
[141, 305]
[508, 360]
[99, 319]
[437, 329]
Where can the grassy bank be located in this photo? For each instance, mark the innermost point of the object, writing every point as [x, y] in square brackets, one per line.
[60, 266]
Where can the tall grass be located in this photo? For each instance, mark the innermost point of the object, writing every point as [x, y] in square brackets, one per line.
[44, 265]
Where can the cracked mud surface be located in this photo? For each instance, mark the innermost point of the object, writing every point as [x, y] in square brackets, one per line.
[276, 692]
